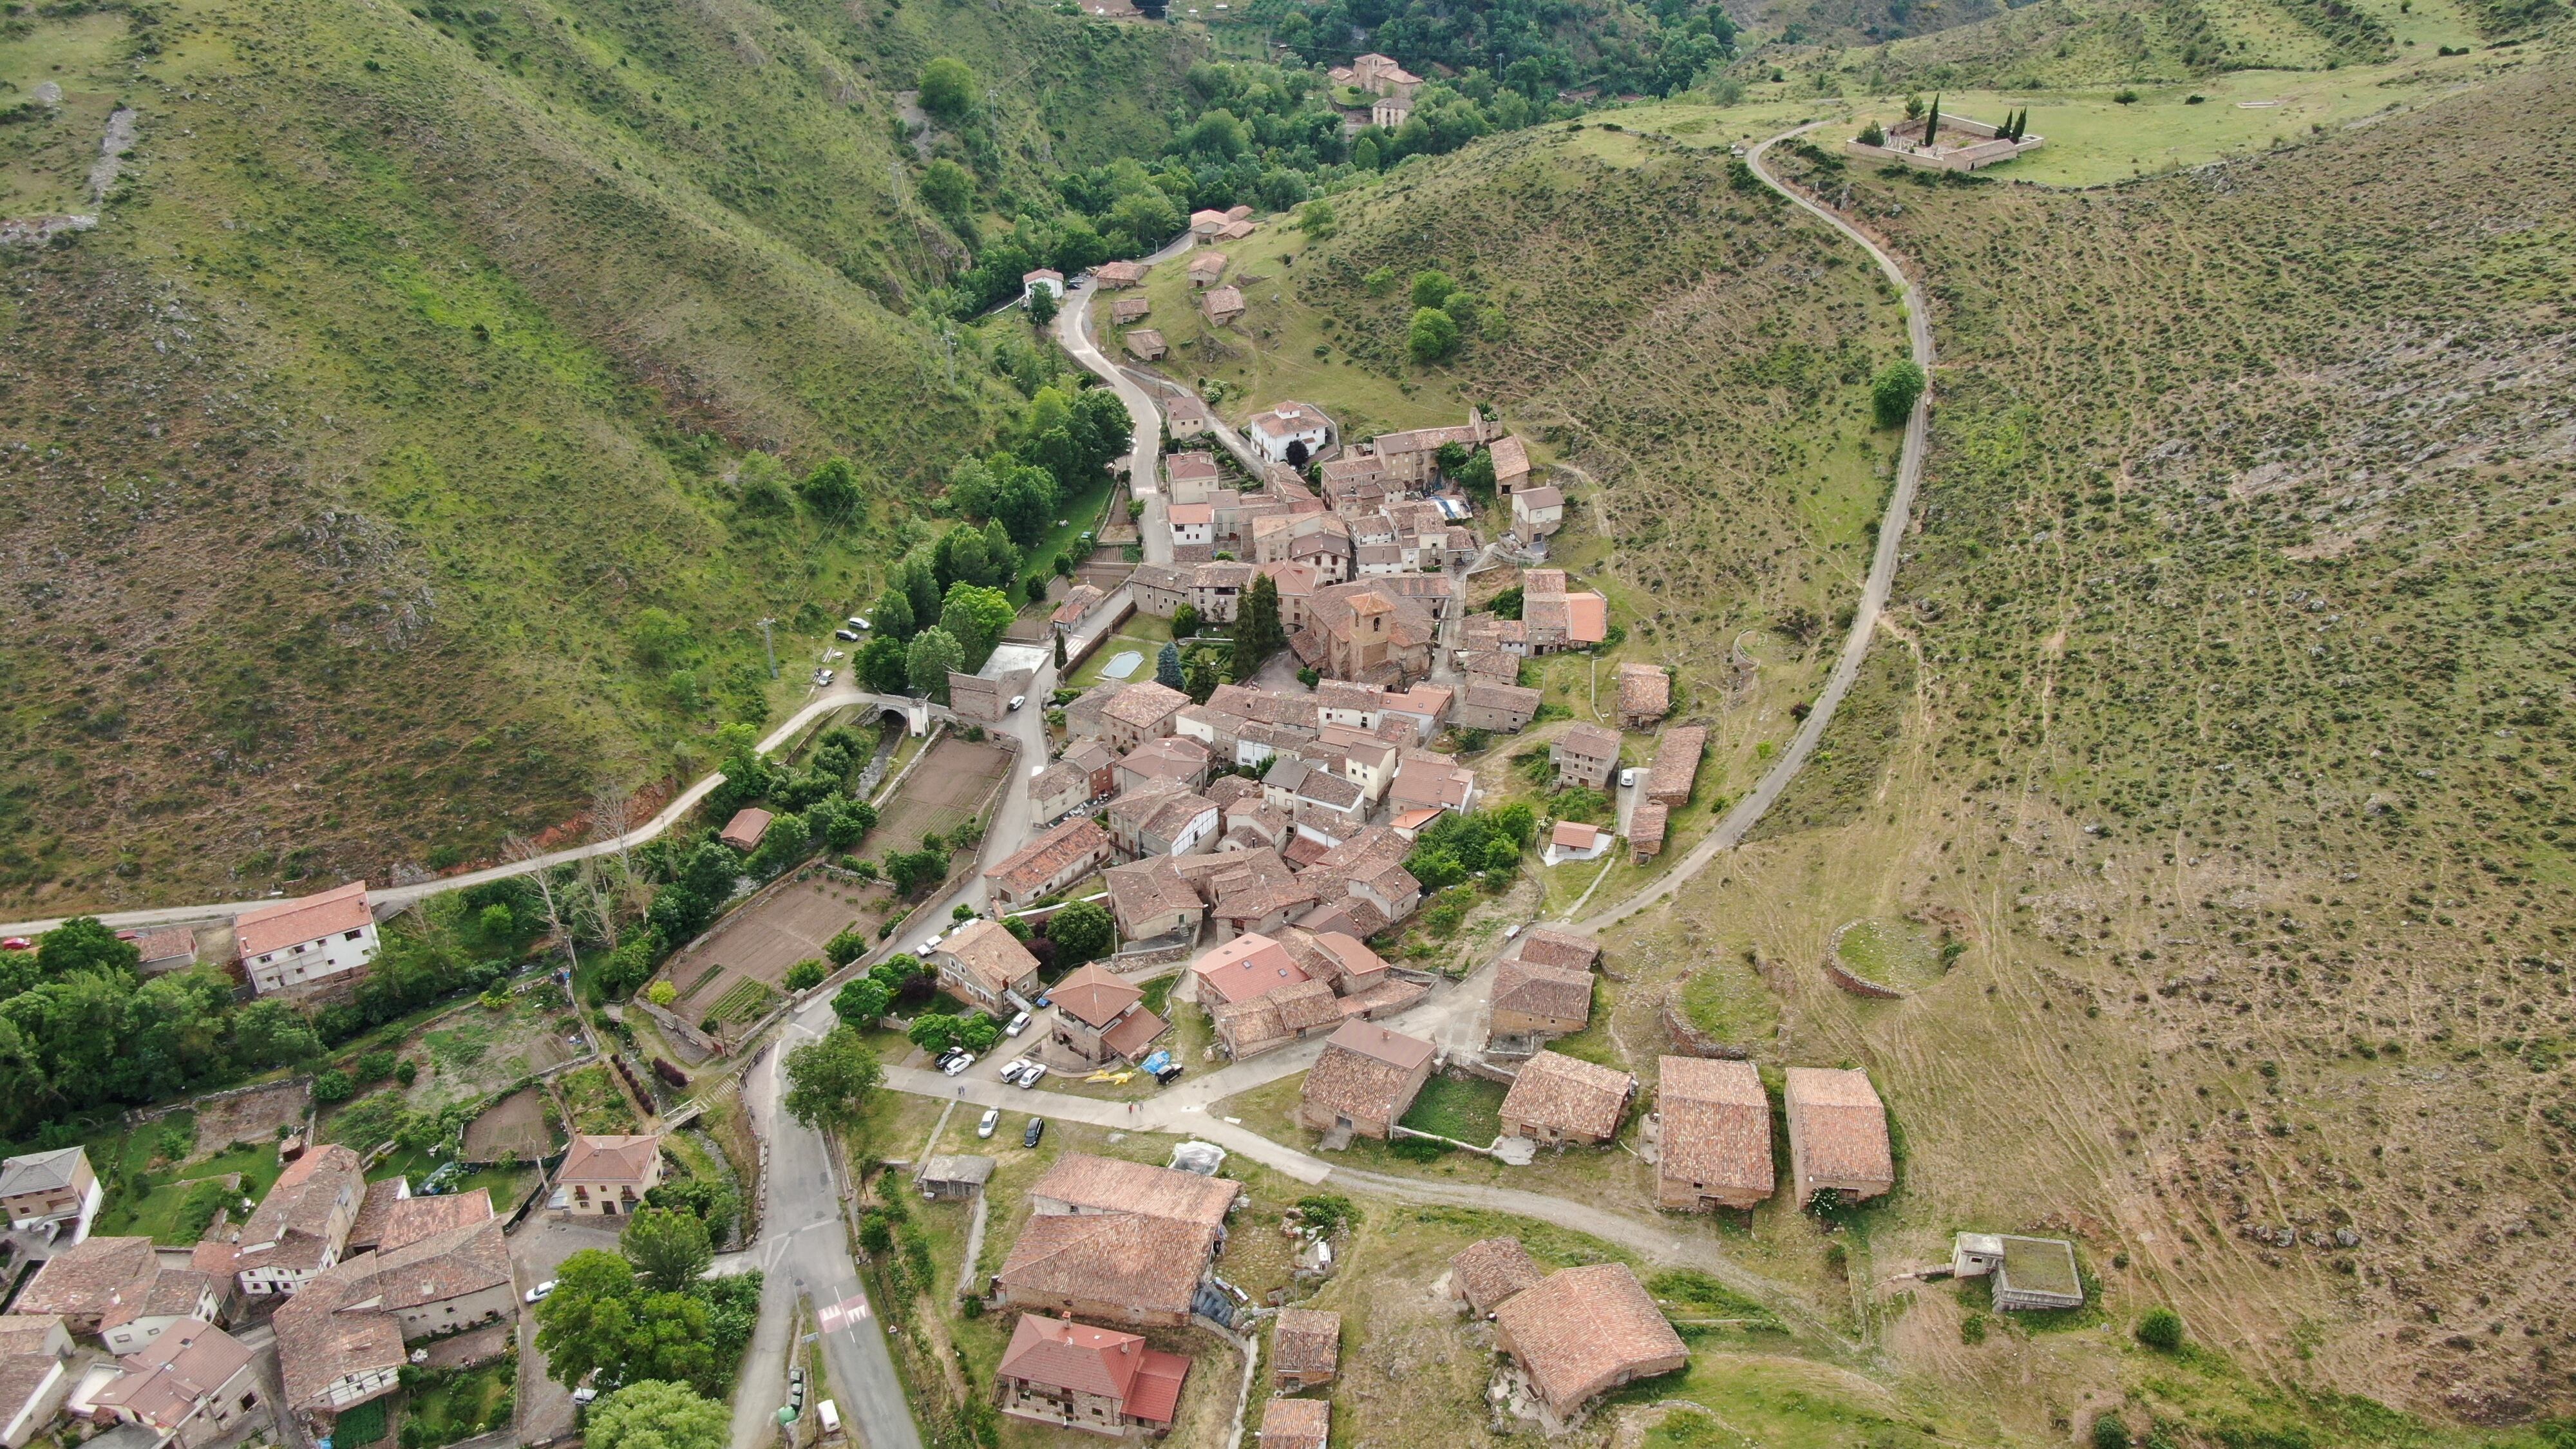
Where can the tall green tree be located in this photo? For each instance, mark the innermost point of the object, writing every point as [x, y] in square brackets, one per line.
[832, 491]
[1167, 668]
[934, 653]
[1258, 634]
[668, 1246]
[657, 1414]
[948, 89]
[601, 1316]
[829, 1081]
[1932, 123]
[1433, 335]
[1893, 392]
[975, 618]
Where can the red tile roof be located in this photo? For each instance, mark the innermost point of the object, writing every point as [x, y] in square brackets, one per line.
[1716, 1127]
[292, 923]
[1582, 1330]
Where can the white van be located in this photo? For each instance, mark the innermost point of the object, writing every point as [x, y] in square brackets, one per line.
[831, 1418]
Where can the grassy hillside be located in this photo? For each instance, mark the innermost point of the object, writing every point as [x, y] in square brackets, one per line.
[416, 354]
[2224, 730]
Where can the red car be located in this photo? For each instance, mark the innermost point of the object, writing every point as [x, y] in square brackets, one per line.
[17, 943]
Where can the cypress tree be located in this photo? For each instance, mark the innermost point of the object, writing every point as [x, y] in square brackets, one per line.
[1932, 123]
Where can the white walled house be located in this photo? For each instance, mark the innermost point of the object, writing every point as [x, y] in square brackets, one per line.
[1044, 277]
[301, 943]
[1192, 523]
[1272, 432]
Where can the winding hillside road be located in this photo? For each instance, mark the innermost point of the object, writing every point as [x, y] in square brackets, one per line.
[1731, 831]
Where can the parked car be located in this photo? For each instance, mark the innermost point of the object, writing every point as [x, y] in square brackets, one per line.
[584, 1394]
[1035, 1130]
[1017, 1065]
[1018, 699]
[857, 621]
[1167, 1074]
[962, 1062]
[1627, 779]
[825, 676]
[991, 1119]
[538, 1293]
[1030, 1077]
[1511, 931]
[17, 943]
[846, 636]
[1019, 1023]
[934, 941]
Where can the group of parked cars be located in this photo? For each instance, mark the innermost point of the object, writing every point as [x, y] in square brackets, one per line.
[1029, 1135]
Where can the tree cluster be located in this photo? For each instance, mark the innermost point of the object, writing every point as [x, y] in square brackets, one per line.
[627, 1317]
[1456, 847]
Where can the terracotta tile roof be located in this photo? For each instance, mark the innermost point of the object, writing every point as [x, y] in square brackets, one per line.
[1223, 299]
[1345, 957]
[627, 1160]
[1157, 1395]
[1208, 264]
[1296, 1424]
[1511, 456]
[1574, 835]
[1306, 1341]
[1555, 992]
[1147, 889]
[1676, 765]
[1104, 1183]
[292, 923]
[416, 1218]
[1250, 965]
[1501, 695]
[1143, 1264]
[318, 1343]
[291, 1226]
[1094, 997]
[1260, 900]
[177, 1373]
[1168, 758]
[1063, 1354]
[1582, 1330]
[1128, 309]
[1841, 1125]
[168, 1293]
[1646, 825]
[1042, 859]
[1587, 618]
[1386, 998]
[1716, 1127]
[745, 829]
[1145, 704]
[1569, 1094]
[1535, 500]
[1591, 741]
[1547, 946]
[1366, 1071]
[26, 1333]
[25, 1375]
[1644, 689]
[989, 955]
[1250, 1027]
[170, 945]
[1130, 1037]
[367, 1229]
[1119, 274]
[449, 1264]
[1490, 1270]
[1427, 782]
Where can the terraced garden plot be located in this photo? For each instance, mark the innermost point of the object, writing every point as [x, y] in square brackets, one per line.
[475, 1050]
[513, 1129]
[597, 1104]
[746, 957]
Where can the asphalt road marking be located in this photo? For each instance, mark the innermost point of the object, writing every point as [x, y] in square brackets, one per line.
[844, 1314]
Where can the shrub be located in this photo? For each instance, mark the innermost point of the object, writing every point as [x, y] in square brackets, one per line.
[375, 1066]
[1433, 335]
[2109, 1432]
[1972, 1329]
[406, 1071]
[806, 975]
[2161, 1329]
[333, 1086]
[1893, 393]
[661, 993]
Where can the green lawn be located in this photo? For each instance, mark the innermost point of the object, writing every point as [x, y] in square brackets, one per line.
[1143, 633]
[458, 1404]
[1082, 514]
[159, 1213]
[1466, 1109]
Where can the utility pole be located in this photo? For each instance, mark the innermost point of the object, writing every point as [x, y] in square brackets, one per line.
[769, 648]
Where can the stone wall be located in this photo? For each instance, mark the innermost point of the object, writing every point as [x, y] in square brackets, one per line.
[1690, 1041]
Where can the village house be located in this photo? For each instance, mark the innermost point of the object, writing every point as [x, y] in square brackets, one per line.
[1165, 821]
[1116, 1240]
[1193, 477]
[1555, 618]
[1273, 1019]
[1187, 415]
[1714, 1122]
[984, 965]
[1069, 1375]
[1216, 588]
[1675, 773]
[1205, 223]
[1533, 1004]
[194, 1386]
[1390, 112]
[1536, 512]
[607, 1176]
[954, 1176]
[1424, 709]
[746, 829]
[1054, 791]
[1221, 305]
[1380, 75]
[2029, 1274]
[1489, 1270]
[296, 946]
[1433, 783]
[1646, 826]
[1296, 1424]
[1057, 858]
[1193, 525]
[1837, 1135]
[1511, 466]
[1102, 1019]
[141, 1311]
[302, 1226]
[53, 1195]
[1289, 433]
[162, 952]
[1140, 712]
[1044, 279]
[1305, 1349]
[1239, 970]
[1574, 840]
[1366, 1079]
[1645, 695]
[1123, 310]
[1497, 707]
[34, 1374]
[1076, 606]
[1144, 344]
[443, 1266]
[1560, 1099]
[1548, 946]
[1328, 807]
[1170, 760]
[1113, 276]
[79, 1285]
[1586, 755]
[1580, 1332]
[1149, 901]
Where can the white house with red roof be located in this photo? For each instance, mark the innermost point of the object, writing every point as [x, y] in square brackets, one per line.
[299, 943]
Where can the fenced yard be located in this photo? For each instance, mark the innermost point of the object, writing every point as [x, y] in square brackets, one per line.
[944, 791]
[739, 971]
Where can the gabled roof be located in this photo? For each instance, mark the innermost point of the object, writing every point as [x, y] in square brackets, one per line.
[1143, 1264]
[1048, 856]
[1145, 704]
[628, 1159]
[1590, 741]
[416, 1219]
[1250, 965]
[1366, 1071]
[168, 1379]
[292, 923]
[1555, 992]
[1548, 946]
[81, 1280]
[1490, 1270]
[1842, 1126]
[1568, 1094]
[291, 1226]
[1296, 1424]
[1579, 1330]
[1716, 1130]
[1063, 1354]
[1104, 1183]
[989, 955]
[169, 1293]
[1644, 689]
[1306, 1341]
[1094, 997]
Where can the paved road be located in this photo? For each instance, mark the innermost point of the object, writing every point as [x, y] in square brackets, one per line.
[1873, 595]
[1144, 459]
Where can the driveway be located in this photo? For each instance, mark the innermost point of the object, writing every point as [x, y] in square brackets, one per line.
[537, 1249]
